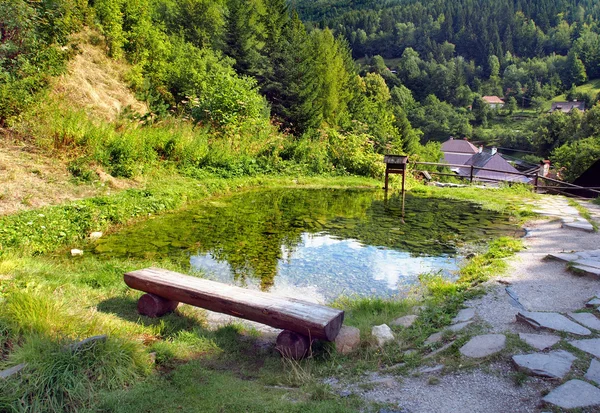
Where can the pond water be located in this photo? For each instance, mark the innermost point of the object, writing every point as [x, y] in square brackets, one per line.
[314, 243]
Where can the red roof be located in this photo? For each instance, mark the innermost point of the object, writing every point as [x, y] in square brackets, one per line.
[492, 99]
[459, 146]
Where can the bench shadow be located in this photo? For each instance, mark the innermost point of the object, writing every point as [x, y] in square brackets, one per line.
[126, 309]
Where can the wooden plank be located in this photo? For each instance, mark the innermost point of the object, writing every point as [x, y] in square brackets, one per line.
[313, 320]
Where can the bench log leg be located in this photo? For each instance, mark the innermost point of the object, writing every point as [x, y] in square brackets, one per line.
[155, 306]
[292, 345]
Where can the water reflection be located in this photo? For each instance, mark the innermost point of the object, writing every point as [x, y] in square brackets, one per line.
[326, 267]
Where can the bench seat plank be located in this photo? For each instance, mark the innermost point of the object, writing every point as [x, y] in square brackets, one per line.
[313, 320]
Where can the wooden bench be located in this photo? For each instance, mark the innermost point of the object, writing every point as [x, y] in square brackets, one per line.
[301, 321]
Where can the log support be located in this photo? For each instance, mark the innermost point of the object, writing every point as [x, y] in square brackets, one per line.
[152, 305]
[293, 345]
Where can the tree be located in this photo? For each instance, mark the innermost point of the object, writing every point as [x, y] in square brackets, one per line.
[511, 105]
[576, 157]
[245, 34]
[574, 70]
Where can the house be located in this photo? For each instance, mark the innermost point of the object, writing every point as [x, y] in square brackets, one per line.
[458, 151]
[566, 107]
[494, 102]
[502, 170]
[589, 179]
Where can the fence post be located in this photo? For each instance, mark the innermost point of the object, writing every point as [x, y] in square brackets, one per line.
[471, 178]
[535, 183]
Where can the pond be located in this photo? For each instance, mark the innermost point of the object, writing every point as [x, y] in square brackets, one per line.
[314, 243]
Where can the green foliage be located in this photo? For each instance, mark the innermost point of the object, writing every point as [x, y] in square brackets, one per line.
[574, 158]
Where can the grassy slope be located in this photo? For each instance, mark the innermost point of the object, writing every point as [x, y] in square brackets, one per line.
[50, 299]
[593, 87]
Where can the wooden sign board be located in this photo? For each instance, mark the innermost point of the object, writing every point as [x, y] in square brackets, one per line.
[395, 159]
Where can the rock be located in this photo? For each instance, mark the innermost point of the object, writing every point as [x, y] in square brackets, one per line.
[458, 327]
[347, 340]
[584, 226]
[439, 350]
[552, 321]
[410, 352]
[434, 338]
[383, 334]
[96, 235]
[464, 315]
[539, 341]
[76, 253]
[594, 302]
[587, 319]
[5, 374]
[152, 357]
[591, 346]
[586, 269]
[406, 321]
[574, 394]
[483, 346]
[430, 369]
[554, 365]
[87, 342]
[593, 372]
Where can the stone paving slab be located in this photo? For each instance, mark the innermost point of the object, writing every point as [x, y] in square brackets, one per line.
[574, 394]
[593, 372]
[463, 315]
[587, 319]
[539, 341]
[587, 270]
[553, 365]
[585, 261]
[484, 345]
[552, 321]
[594, 302]
[591, 346]
[584, 226]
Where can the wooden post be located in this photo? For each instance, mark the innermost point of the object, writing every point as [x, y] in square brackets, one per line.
[387, 171]
[535, 183]
[152, 305]
[471, 178]
[292, 345]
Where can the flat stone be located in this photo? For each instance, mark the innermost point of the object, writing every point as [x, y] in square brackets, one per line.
[574, 394]
[593, 372]
[439, 350]
[430, 369]
[435, 338]
[483, 346]
[588, 262]
[406, 321]
[562, 256]
[552, 321]
[347, 340]
[587, 319]
[586, 269]
[87, 342]
[554, 365]
[591, 346]
[539, 341]
[583, 226]
[76, 252]
[594, 302]
[383, 334]
[460, 326]
[463, 315]
[5, 374]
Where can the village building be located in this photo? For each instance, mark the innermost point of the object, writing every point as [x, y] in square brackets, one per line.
[493, 102]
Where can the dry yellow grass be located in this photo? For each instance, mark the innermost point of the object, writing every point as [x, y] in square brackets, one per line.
[95, 82]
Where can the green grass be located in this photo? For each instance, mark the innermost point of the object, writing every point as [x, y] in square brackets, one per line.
[51, 299]
[591, 87]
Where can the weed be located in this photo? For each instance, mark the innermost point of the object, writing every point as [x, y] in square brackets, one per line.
[432, 381]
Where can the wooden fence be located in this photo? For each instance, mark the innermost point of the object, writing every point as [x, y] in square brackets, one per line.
[539, 183]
